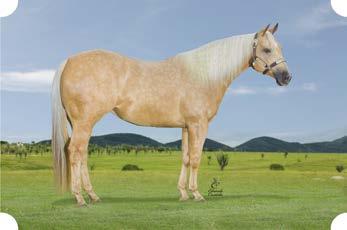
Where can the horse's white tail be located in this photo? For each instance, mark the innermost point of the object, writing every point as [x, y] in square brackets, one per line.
[59, 134]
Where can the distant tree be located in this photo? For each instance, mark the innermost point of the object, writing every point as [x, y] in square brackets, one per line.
[209, 159]
[262, 156]
[128, 149]
[276, 167]
[306, 156]
[223, 160]
[340, 168]
[285, 154]
[20, 149]
[161, 149]
[131, 167]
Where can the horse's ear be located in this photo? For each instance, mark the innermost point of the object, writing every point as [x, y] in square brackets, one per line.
[263, 31]
[274, 29]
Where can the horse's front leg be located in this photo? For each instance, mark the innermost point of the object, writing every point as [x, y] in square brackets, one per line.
[185, 164]
[196, 133]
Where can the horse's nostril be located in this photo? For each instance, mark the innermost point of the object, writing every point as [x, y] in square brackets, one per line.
[289, 78]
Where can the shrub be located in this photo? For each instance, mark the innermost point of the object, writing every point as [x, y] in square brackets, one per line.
[209, 160]
[223, 160]
[262, 155]
[285, 154]
[92, 167]
[339, 168]
[130, 167]
[276, 167]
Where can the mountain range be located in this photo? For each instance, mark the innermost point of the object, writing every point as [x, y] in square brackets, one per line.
[259, 144]
[269, 144]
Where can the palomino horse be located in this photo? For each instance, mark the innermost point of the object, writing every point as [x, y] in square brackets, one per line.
[184, 91]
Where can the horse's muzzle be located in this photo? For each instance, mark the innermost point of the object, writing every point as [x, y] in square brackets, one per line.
[283, 78]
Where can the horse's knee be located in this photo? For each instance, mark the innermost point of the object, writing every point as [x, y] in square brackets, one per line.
[195, 161]
[186, 160]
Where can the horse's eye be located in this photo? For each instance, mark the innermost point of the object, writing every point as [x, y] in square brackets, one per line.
[267, 50]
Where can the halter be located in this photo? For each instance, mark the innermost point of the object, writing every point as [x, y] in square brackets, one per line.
[256, 58]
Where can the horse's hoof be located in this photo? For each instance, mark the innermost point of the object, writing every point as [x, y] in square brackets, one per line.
[182, 199]
[198, 196]
[199, 199]
[94, 201]
[82, 205]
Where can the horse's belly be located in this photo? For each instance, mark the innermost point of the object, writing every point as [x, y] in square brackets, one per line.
[151, 115]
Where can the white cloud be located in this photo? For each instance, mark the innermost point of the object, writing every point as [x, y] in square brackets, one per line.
[319, 18]
[309, 87]
[247, 90]
[312, 21]
[276, 90]
[33, 81]
[243, 91]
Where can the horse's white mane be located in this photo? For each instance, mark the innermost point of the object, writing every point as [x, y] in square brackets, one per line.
[219, 61]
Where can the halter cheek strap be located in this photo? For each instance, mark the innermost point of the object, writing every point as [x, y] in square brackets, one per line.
[255, 58]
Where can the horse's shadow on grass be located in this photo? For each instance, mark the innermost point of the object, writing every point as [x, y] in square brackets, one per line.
[110, 200]
[250, 196]
[106, 200]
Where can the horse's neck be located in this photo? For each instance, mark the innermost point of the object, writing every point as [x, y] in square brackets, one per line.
[219, 62]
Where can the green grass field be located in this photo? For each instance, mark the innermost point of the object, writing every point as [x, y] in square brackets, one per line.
[303, 196]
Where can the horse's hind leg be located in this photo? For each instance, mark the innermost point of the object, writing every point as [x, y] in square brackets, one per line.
[77, 150]
[86, 181]
[185, 164]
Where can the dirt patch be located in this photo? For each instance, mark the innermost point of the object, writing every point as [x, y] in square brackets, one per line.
[337, 178]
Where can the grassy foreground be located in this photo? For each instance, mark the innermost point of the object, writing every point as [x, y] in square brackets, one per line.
[303, 196]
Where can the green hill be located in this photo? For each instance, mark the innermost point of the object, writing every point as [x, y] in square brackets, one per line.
[208, 145]
[124, 138]
[120, 139]
[269, 144]
[337, 146]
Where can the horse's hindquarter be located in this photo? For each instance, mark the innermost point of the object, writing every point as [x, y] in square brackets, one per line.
[89, 84]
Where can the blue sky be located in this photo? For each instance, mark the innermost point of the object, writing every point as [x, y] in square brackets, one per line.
[41, 34]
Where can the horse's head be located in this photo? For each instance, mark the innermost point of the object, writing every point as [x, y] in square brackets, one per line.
[267, 57]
